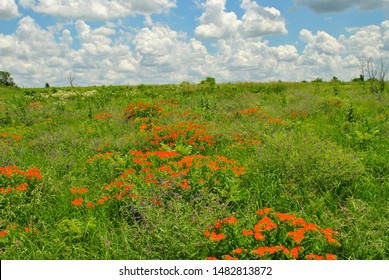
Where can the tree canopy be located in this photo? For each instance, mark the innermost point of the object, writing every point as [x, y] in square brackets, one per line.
[6, 79]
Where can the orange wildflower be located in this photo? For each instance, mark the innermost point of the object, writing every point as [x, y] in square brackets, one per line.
[79, 191]
[207, 233]
[247, 232]
[267, 224]
[310, 227]
[294, 253]
[264, 211]
[238, 251]
[259, 236]
[22, 187]
[297, 235]
[185, 184]
[217, 236]
[259, 251]
[314, 257]
[330, 257]
[230, 220]
[299, 222]
[77, 201]
[3, 233]
[212, 258]
[6, 191]
[231, 258]
[28, 229]
[218, 224]
[90, 205]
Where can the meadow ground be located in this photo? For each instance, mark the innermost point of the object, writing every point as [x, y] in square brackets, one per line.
[244, 170]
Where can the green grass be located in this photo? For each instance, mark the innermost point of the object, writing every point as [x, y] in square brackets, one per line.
[298, 148]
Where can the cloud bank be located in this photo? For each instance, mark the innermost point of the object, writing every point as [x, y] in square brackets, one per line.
[328, 6]
[110, 53]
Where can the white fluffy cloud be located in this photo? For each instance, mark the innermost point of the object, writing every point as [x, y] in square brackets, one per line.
[98, 9]
[216, 22]
[326, 6]
[8, 9]
[159, 54]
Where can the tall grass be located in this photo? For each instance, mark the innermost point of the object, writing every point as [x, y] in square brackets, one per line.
[144, 172]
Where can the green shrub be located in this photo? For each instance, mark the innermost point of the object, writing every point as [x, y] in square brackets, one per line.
[309, 161]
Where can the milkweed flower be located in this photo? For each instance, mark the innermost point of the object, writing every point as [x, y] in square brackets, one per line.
[22, 187]
[77, 201]
[238, 251]
[330, 257]
[231, 258]
[217, 236]
[90, 205]
[247, 232]
[294, 253]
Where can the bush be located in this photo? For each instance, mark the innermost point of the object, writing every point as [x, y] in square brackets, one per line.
[6, 79]
[308, 161]
[273, 235]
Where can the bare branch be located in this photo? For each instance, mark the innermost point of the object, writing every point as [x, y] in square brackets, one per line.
[71, 78]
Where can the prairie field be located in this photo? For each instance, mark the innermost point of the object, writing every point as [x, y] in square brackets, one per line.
[195, 171]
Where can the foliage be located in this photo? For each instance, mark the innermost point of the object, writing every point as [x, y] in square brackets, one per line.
[274, 235]
[6, 79]
[140, 172]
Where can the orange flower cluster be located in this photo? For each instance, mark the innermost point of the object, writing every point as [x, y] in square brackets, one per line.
[162, 168]
[215, 236]
[271, 120]
[32, 173]
[271, 228]
[247, 112]
[101, 156]
[262, 251]
[79, 191]
[102, 116]
[22, 187]
[35, 105]
[246, 140]
[78, 201]
[295, 115]
[117, 190]
[20, 178]
[186, 132]
[31, 230]
[317, 257]
[141, 110]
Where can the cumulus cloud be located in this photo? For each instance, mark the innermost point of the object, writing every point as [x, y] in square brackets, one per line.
[161, 50]
[258, 20]
[159, 54]
[8, 9]
[368, 41]
[327, 6]
[216, 22]
[98, 9]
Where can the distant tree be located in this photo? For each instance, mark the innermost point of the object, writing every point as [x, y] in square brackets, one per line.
[71, 79]
[317, 80]
[209, 84]
[6, 79]
[375, 73]
[211, 81]
[47, 85]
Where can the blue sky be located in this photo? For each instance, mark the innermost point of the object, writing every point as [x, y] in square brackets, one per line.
[169, 41]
